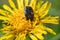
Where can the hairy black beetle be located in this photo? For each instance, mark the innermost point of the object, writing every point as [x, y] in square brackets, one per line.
[29, 14]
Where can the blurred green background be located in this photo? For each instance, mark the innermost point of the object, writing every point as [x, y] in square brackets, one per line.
[54, 11]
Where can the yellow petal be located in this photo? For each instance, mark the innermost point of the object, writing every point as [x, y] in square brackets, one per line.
[33, 37]
[2, 12]
[33, 4]
[12, 4]
[47, 29]
[40, 26]
[52, 20]
[39, 5]
[20, 4]
[5, 13]
[6, 37]
[6, 28]
[44, 9]
[3, 18]
[39, 36]
[50, 30]
[26, 2]
[38, 30]
[8, 8]
[21, 36]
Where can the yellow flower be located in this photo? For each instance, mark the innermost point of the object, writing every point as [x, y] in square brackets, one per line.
[19, 27]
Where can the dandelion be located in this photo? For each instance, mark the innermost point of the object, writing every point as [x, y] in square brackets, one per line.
[20, 25]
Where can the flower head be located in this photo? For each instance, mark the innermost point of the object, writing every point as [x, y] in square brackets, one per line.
[21, 23]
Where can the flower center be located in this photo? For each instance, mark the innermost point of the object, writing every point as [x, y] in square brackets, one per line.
[20, 24]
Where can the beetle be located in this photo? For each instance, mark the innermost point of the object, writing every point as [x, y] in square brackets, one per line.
[29, 14]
